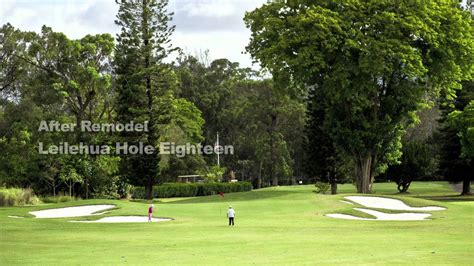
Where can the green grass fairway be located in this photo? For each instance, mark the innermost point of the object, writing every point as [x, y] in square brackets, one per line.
[284, 225]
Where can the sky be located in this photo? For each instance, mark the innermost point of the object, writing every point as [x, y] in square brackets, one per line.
[215, 25]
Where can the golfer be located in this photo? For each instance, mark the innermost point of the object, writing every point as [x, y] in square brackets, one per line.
[150, 212]
[231, 215]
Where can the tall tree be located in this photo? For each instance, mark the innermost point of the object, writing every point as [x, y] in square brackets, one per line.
[11, 65]
[377, 62]
[253, 114]
[144, 82]
[320, 150]
[78, 74]
[454, 138]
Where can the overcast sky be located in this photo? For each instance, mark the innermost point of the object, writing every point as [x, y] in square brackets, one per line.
[216, 25]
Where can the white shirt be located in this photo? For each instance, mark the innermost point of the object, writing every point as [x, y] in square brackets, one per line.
[231, 213]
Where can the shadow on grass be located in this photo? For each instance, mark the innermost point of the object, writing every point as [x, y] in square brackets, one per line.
[448, 198]
[146, 201]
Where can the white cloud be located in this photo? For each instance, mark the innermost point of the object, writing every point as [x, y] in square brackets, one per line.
[208, 8]
[216, 25]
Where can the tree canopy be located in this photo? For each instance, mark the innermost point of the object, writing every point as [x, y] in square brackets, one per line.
[375, 62]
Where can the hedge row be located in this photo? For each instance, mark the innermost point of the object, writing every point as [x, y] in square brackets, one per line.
[171, 190]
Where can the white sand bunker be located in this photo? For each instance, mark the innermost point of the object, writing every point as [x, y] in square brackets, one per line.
[390, 204]
[126, 219]
[72, 211]
[385, 203]
[16, 217]
[383, 216]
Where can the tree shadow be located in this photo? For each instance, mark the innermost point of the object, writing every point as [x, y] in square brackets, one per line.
[448, 198]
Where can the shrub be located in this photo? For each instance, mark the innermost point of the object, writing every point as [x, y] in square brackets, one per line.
[171, 190]
[322, 187]
[213, 174]
[17, 197]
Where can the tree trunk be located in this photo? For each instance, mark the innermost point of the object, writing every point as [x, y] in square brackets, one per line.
[259, 176]
[151, 129]
[54, 188]
[273, 175]
[332, 179]
[466, 186]
[80, 137]
[293, 180]
[364, 175]
[149, 190]
[86, 182]
[333, 187]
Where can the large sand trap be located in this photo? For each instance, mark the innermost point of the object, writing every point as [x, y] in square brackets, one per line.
[385, 203]
[383, 216]
[71, 211]
[407, 216]
[126, 219]
[389, 204]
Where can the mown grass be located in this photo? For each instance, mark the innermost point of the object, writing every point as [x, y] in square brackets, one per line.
[276, 226]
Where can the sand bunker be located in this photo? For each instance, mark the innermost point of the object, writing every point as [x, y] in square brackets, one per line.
[16, 217]
[389, 204]
[72, 211]
[383, 216]
[385, 203]
[125, 219]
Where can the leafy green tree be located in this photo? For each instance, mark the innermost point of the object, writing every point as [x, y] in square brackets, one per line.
[12, 68]
[142, 45]
[70, 177]
[453, 166]
[180, 122]
[375, 62]
[81, 78]
[212, 174]
[255, 115]
[416, 163]
[464, 122]
[145, 83]
[320, 150]
[104, 181]
[265, 127]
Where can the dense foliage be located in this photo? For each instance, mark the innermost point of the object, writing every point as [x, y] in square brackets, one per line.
[170, 190]
[454, 139]
[375, 63]
[348, 81]
[416, 163]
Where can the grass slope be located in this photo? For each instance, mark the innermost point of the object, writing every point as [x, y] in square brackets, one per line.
[284, 225]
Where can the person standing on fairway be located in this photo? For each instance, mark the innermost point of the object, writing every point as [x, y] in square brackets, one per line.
[150, 212]
[231, 215]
